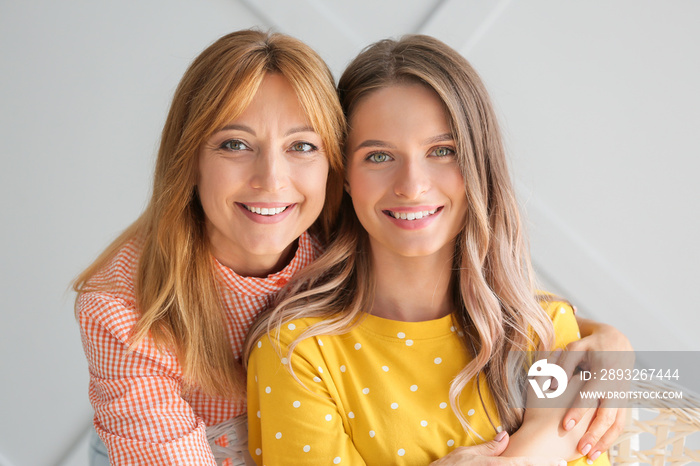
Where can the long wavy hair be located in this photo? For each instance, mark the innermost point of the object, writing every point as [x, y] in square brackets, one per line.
[496, 305]
[176, 290]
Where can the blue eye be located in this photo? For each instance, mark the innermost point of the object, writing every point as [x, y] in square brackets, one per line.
[378, 157]
[443, 152]
[234, 144]
[303, 147]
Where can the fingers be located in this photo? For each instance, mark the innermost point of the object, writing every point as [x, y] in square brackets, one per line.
[610, 436]
[573, 416]
[604, 419]
[571, 358]
[486, 454]
[493, 448]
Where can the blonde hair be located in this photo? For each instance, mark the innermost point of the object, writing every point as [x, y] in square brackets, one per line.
[176, 290]
[494, 295]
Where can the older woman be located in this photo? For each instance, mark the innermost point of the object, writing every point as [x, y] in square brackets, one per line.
[246, 188]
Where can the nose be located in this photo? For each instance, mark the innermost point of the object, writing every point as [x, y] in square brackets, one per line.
[412, 180]
[270, 171]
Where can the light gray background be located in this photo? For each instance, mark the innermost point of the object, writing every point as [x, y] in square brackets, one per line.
[598, 100]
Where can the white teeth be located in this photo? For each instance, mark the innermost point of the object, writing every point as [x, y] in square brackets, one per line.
[412, 215]
[266, 210]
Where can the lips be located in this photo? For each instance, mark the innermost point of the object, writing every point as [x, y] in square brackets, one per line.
[269, 211]
[413, 215]
[413, 218]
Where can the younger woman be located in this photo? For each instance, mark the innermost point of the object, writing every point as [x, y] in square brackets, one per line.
[392, 348]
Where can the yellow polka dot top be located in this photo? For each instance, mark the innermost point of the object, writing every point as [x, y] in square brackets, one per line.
[377, 395]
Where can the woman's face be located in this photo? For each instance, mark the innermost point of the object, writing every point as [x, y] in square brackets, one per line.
[402, 173]
[262, 181]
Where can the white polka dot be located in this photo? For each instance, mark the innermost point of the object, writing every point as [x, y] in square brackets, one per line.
[578, 334]
[351, 415]
[358, 346]
[268, 389]
[256, 378]
[320, 343]
[385, 368]
[401, 335]
[336, 460]
[291, 326]
[320, 370]
[437, 360]
[260, 344]
[258, 451]
[342, 368]
[371, 433]
[394, 406]
[443, 405]
[499, 428]
[562, 310]
[307, 448]
[285, 361]
[452, 328]
[328, 417]
[258, 414]
[317, 379]
[450, 442]
[460, 333]
[296, 404]
[424, 423]
[365, 390]
[470, 412]
[401, 452]
[409, 342]
[278, 435]
[414, 388]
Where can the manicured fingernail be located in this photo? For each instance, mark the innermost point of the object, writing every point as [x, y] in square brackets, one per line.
[589, 461]
[501, 435]
[570, 425]
[595, 456]
[586, 449]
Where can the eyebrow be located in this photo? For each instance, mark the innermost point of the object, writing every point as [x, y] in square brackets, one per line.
[245, 128]
[373, 143]
[300, 129]
[248, 129]
[378, 143]
[439, 138]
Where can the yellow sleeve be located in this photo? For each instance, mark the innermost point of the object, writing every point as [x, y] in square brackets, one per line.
[294, 422]
[565, 327]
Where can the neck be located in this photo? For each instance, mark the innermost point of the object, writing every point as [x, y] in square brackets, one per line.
[412, 289]
[255, 266]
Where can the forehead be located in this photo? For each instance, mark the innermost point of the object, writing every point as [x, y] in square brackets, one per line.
[400, 106]
[274, 97]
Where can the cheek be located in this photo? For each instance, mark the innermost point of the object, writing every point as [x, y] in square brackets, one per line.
[311, 182]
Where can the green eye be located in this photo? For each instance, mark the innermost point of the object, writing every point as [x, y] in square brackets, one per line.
[234, 144]
[303, 147]
[378, 157]
[443, 152]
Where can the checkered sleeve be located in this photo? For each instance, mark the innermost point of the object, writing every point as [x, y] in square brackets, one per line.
[136, 394]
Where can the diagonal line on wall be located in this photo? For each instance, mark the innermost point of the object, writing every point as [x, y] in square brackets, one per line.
[463, 23]
[570, 263]
[294, 18]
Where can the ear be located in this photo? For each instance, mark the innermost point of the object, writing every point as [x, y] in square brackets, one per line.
[346, 186]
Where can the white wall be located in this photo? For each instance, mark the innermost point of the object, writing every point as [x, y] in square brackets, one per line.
[599, 104]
